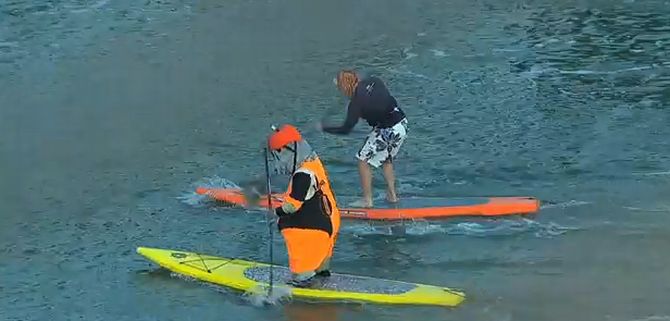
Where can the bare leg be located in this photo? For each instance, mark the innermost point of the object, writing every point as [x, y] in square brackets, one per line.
[366, 182]
[389, 176]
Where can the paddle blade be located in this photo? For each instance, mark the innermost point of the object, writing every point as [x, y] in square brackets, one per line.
[251, 195]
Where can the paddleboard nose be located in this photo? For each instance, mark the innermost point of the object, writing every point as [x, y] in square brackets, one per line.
[201, 190]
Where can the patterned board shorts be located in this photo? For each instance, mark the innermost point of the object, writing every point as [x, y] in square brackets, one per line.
[383, 144]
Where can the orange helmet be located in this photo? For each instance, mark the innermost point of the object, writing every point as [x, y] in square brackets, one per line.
[284, 136]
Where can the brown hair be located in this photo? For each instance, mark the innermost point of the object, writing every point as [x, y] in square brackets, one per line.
[347, 81]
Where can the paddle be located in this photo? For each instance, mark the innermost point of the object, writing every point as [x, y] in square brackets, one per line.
[269, 218]
[252, 189]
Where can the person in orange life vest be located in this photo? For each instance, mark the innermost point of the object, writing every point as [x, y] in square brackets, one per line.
[309, 219]
[371, 100]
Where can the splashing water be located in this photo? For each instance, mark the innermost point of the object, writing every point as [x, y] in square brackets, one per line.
[258, 295]
[194, 199]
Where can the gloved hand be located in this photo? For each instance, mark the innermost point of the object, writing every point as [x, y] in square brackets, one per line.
[279, 212]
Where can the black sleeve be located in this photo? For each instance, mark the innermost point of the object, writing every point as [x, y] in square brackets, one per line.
[353, 113]
[300, 185]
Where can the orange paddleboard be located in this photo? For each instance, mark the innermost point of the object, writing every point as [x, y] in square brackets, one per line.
[407, 208]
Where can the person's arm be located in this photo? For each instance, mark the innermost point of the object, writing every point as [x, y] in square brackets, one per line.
[300, 184]
[353, 113]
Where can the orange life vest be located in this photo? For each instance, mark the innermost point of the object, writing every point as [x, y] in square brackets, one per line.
[319, 210]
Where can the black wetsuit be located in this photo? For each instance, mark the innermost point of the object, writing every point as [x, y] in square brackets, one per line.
[373, 102]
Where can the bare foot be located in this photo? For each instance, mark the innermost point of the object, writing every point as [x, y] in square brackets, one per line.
[362, 203]
[391, 197]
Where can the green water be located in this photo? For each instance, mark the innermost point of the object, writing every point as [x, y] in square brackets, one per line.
[111, 112]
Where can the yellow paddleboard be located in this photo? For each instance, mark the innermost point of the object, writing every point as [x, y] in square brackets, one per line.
[247, 276]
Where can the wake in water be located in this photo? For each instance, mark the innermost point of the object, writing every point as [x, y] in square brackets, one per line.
[480, 228]
[92, 7]
[658, 207]
[662, 173]
[655, 318]
[484, 228]
[572, 203]
[194, 199]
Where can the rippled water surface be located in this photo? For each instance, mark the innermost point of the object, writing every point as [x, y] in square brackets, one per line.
[112, 111]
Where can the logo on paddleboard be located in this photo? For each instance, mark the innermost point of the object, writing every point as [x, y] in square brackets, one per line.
[178, 255]
[357, 213]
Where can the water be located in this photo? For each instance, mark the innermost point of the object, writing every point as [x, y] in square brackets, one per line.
[112, 111]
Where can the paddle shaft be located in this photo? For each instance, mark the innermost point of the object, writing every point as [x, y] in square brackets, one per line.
[270, 225]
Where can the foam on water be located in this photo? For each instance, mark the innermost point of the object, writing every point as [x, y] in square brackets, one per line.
[485, 228]
[94, 6]
[660, 173]
[662, 208]
[509, 228]
[571, 203]
[438, 53]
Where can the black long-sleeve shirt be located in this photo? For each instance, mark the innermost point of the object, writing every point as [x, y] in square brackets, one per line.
[373, 102]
